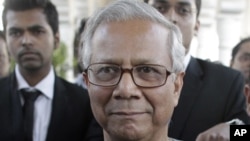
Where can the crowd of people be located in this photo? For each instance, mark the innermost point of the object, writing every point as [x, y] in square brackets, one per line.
[137, 80]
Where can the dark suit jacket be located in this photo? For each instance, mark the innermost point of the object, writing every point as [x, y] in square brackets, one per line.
[211, 94]
[70, 118]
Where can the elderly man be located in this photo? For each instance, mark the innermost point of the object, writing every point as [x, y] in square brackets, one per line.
[133, 61]
[212, 95]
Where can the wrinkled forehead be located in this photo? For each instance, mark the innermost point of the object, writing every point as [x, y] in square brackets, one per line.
[131, 41]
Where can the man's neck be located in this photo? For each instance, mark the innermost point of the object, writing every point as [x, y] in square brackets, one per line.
[33, 77]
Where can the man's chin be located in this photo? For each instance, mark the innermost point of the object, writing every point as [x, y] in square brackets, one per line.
[31, 66]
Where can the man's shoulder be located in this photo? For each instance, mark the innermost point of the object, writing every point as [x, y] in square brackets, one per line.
[213, 72]
[5, 87]
[218, 69]
[71, 91]
[69, 85]
[4, 81]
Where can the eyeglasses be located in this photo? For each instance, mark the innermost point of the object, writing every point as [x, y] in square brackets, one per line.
[107, 75]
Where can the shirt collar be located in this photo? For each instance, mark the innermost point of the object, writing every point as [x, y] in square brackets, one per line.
[46, 85]
[187, 60]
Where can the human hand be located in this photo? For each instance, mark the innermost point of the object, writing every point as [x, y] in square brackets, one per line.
[247, 94]
[219, 132]
[248, 109]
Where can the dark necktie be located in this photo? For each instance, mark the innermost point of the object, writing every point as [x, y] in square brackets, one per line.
[28, 111]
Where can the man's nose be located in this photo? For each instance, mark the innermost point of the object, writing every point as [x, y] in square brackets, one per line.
[126, 88]
[171, 15]
[26, 39]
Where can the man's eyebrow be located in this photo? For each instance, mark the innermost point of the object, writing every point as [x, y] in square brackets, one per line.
[184, 3]
[180, 3]
[14, 28]
[162, 1]
[246, 54]
[29, 28]
[35, 27]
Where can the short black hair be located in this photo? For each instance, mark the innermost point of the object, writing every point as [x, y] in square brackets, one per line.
[197, 4]
[198, 7]
[48, 8]
[77, 44]
[238, 46]
[79, 32]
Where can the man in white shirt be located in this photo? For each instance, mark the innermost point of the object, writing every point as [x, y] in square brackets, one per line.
[61, 112]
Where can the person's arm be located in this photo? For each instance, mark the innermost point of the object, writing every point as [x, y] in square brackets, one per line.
[236, 114]
[219, 132]
[236, 101]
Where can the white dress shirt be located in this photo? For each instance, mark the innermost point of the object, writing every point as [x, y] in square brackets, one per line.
[187, 60]
[43, 104]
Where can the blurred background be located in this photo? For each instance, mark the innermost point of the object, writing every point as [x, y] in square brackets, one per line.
[223, 24]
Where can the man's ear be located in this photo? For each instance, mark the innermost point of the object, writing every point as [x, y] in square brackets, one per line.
[196, 27]
[57, 40]
[86, 79]
[231, 63]
[178, 83]
[247, 93]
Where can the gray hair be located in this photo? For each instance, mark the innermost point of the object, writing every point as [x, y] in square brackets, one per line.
[125, 10]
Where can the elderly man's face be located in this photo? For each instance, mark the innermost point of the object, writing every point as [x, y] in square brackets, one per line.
[127, 110]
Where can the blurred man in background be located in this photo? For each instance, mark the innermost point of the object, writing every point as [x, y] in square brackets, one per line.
[36, 104]
[241, 62]
[212, 95]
